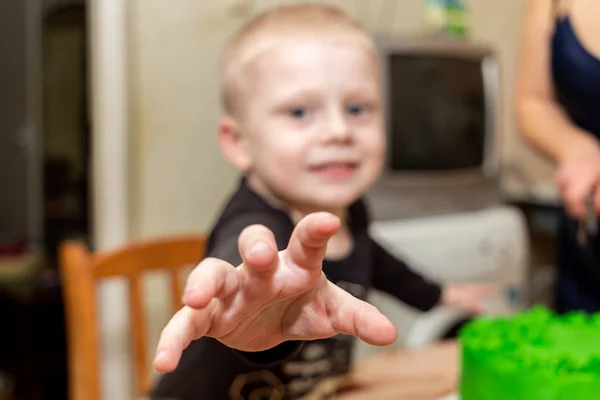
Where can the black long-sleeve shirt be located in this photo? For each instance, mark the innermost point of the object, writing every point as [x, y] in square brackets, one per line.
[209, 370]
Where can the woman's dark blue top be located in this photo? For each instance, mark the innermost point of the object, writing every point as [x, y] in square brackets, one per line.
[576, 74]
[576, 78]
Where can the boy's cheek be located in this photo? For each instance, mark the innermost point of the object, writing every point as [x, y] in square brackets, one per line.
[376, 150]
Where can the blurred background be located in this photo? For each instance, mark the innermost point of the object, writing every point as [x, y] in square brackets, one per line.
[108, 114]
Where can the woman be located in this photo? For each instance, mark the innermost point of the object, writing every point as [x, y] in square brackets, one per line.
[558, 108]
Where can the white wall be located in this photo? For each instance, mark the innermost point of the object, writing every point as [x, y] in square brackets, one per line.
[180, 176]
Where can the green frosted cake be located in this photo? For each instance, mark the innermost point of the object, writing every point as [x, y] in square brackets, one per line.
[536, 355]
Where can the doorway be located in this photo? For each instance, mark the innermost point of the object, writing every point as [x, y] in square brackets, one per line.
[66, 128]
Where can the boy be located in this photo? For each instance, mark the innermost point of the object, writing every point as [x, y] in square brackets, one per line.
[304, 124]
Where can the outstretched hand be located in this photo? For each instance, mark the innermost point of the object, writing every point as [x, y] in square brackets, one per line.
[270, 298]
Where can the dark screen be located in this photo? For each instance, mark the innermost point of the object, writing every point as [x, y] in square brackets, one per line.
[437, 112]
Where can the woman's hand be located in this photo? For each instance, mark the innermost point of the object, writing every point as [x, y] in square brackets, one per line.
[578, 176]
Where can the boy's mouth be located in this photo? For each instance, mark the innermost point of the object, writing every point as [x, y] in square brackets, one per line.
[335, 169]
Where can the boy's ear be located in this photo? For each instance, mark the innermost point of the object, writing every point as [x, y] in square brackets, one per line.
[233, 144]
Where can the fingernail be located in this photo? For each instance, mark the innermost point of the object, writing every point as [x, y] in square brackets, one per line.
[259, 247]
[328, 218]
[160, 356]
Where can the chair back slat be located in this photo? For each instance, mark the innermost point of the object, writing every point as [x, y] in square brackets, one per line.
[176, 289]
[138, 334]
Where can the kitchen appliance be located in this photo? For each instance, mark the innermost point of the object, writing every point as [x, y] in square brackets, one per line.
[489, 245]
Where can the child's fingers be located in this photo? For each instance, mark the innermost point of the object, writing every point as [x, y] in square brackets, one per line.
[258, 249]
[308, 243]
[355, 317]
[211, 278]
[186, 325]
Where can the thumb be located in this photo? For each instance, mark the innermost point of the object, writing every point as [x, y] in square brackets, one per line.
[358, 318]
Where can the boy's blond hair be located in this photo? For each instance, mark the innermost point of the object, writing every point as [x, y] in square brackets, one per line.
[300, 21]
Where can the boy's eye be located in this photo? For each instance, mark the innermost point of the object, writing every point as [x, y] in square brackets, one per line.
[356, 110]
[299, 112]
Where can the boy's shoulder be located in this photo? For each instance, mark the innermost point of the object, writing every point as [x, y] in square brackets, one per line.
[244, 208]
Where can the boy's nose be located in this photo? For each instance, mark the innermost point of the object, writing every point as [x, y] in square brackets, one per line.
[339, 130]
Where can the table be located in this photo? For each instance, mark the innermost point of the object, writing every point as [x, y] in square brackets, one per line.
[427, 373]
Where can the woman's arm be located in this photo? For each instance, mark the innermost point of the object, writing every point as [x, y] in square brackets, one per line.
[541, 120]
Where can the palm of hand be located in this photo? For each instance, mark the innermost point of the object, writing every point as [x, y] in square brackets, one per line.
[291, 304]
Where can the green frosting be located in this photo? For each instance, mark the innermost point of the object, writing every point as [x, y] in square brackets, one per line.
[535, 355]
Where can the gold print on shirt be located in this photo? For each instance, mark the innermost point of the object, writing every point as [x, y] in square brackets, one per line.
[325, 388]
[265, 383]
[319, 366]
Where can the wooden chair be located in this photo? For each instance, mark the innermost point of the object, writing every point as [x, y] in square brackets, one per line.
[82, 270]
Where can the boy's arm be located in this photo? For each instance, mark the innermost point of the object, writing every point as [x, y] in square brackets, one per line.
[396, 278]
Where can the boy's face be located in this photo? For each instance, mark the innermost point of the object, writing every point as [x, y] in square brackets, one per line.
[312, 123]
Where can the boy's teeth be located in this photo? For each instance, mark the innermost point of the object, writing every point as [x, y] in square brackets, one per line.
[331, 166]
[336, 165]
